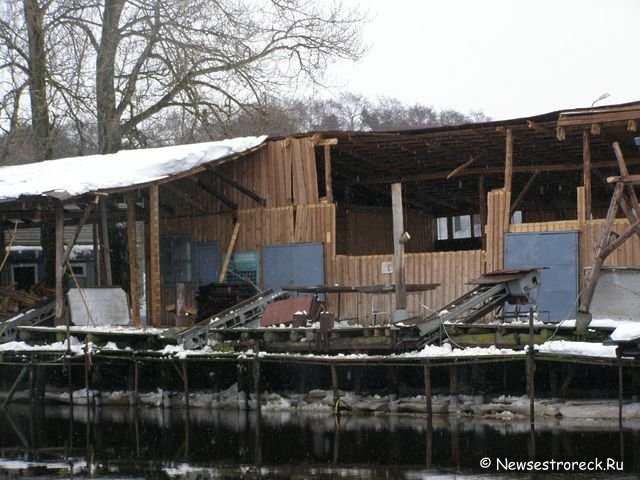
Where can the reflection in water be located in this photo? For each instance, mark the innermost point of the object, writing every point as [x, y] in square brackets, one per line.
[196, 443]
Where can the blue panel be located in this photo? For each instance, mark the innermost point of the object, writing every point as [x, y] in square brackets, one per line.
[293, 264]
[207, 262]
[559, 283]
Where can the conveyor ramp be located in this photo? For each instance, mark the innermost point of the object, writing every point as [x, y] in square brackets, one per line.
[492, 290]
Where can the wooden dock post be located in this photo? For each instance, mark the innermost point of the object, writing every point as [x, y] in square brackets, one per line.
[185, 384]
[427, 391]
[453, 384]
[531, 369]
[334, 383]
[256, 383]
[136, 381]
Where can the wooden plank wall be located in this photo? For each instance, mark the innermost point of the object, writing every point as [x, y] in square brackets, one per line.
[451, 269]
[544, 226]
[498, 205]
[369, 231]
[258, 227]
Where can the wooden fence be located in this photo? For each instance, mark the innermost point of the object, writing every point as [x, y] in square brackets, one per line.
[452, 270]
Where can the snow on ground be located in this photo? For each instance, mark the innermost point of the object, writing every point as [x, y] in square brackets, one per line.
[15, 346]
[586, 349]
[626, 332]
[78, 175]
[447, 350]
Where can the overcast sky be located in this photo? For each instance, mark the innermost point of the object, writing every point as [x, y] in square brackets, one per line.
[507, 58]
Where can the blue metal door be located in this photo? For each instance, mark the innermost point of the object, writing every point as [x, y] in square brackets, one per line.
[293, 264]
[207, 262]
[558, 251]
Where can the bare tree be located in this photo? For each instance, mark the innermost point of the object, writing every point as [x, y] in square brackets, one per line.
[208, 58]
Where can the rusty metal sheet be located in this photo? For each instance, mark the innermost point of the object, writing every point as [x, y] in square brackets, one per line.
[282, 311]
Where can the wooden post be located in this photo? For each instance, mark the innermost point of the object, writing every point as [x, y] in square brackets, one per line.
[154, 254]
[59, 266]
[227, 258]
[256, 382]
[3, 247]
[427, 390]
[587, 294]
[97, 254]
[132, 240]
[180, 301]
[508, 160]
[586, 171]
[106, 250]
[482, 190]
[531, 370]
[185, 383]
[136, 381]
[453, 384]
[334, 383]
[327, 174]
[398, 247]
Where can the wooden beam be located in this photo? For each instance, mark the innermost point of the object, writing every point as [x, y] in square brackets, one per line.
[106, 250]
[587, 294]
[398, 246]
[327, 174]
[59, 266]
[442, 175]
[624, 171]
[508, 160]
[154, 255]
[238, 186]
[325, 142]
[214, 193]
[81, 223]
[132, 241]
[466, 164]
[227, 258]
[586, 170]
[522, 194]
[185, 197]
[482, 191]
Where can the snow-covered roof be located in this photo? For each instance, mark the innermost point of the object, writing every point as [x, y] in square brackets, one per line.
[77, 175]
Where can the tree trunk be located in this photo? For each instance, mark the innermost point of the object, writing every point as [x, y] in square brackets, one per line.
[109, 133]
[34, 18]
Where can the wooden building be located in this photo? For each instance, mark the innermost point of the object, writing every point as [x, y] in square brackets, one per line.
[316, 208]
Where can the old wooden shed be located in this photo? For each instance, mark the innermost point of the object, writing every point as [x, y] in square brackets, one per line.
[316, 208]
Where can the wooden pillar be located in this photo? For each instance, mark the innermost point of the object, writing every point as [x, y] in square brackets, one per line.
[59, 267]
[399, 239]
[586, 171]
[482, 191]
[531, 368]
[97, 254]
[106, 250]
[453, 384]
[185, 384]
[3, 247]
[427, 390]
[327, 174]
[132, 240]
[154, 254]
[508, 160]
[334, 383]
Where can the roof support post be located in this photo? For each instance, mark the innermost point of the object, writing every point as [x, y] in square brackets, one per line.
[508, 160]
[327, 174]
[132, 240]
[586, 171]
[59, 266]
[399, 239]
[154, 254]
[482, 191]
[106, 251]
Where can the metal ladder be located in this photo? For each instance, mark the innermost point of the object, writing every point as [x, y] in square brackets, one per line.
[239, 315]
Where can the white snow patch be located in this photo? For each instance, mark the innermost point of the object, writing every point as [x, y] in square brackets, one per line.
[586, 349]
[447, 350]
[78, 175]
[626, 332]
[76, 346]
